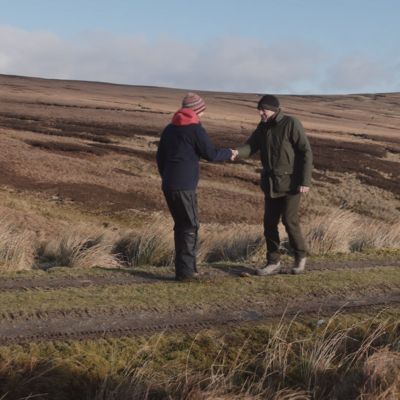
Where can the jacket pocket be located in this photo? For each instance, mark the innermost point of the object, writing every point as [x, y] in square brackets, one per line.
[282, 181]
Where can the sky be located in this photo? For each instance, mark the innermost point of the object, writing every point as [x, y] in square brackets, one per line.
[256, 46]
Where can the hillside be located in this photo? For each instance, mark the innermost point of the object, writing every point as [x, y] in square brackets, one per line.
[92, 146]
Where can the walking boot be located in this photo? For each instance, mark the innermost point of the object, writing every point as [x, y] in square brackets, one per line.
[195, 277]
[299, 266]
[270, 269]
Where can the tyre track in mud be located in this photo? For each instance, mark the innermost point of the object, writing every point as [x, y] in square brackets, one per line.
[144, 277]
[87, 324]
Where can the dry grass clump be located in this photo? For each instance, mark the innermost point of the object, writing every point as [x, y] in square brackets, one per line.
[335, 231]
[377, 235]
[237, 242]
[153, 244]
[342, 231]
[328, 362]
[331, 233]
[382, 372]
[17, 250]
[77, 247]
[291, 360]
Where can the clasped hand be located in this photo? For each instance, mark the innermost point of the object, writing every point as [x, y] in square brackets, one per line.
[234, 155]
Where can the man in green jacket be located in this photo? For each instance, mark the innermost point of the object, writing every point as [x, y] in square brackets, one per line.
[287, 164]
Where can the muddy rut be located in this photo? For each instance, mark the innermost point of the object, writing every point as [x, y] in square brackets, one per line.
[76, 324]
[125, 277]
[85, 324]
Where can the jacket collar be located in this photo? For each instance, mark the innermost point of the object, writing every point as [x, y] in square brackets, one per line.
[279, 116]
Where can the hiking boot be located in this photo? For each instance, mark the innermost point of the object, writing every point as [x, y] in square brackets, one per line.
[195, 277]
[270, 269]
[299, 266]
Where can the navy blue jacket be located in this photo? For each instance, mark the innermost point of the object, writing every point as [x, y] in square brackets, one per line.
[182, 144]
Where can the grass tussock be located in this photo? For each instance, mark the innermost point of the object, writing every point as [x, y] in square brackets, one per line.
[377, 235]
[342, 231]
[78, 248]
[338, 231]
[290, 360]
[334, 231]
[331, 233]
[236, 242]
[153, 244]
[17, 246]
[382, 373]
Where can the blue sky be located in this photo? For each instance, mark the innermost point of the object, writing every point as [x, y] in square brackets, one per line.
[286, 46]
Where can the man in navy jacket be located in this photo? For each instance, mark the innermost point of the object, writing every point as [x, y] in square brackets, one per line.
[183, 142]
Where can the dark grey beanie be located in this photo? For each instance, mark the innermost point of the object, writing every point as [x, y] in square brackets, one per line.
[268, 102]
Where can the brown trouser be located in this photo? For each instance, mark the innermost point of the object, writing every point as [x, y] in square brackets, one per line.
[286, 207]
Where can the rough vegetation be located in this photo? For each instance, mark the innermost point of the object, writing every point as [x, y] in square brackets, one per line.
[339, 357]
[86, 246]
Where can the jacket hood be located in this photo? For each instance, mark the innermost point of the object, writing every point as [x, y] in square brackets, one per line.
[185, 116]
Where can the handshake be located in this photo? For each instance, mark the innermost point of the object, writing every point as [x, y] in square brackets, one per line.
[235, 154]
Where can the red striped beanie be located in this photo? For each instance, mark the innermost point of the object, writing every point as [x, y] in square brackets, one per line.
[195, 102]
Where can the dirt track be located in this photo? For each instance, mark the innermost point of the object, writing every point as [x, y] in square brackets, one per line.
[83, 323]
[131, 277]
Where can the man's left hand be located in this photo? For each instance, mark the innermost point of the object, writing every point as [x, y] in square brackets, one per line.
[304, 189]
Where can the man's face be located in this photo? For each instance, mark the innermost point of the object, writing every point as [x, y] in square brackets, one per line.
[266, 114]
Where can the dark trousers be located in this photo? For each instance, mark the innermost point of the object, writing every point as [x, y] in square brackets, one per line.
[287, 208]
[183, 208]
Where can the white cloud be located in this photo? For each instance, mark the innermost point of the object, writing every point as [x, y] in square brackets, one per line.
[359, 72]
[231, 64]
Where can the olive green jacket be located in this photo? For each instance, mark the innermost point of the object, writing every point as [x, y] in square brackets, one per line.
[285, 155]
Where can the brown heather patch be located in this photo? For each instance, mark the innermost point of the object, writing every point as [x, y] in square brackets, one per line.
[65, 147]
[124, 172]
[137, 153]
[385, 139]
[72, 128]
[229, 173]
[352, 195]
[322, 176]
[216, 205]
[92, 196]
[220, 205]
[141, 109]
[371, 149]
[365, 160]
[98, 149]
[83, 136]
